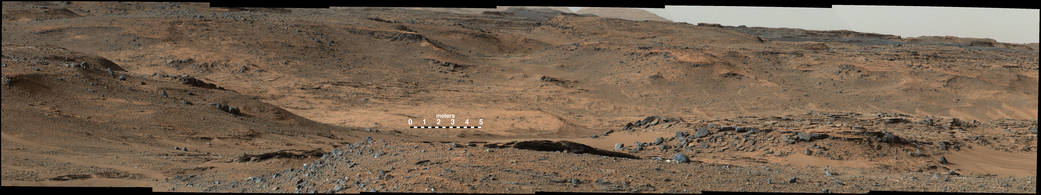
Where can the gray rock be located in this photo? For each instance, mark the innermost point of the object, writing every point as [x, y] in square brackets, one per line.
[753, 130]
[943, 160]
[803, 136]
[637, 148]
[665, 147]
[618, 146]
[701, 132]
[792, 180]
[1033, 130]
[163, 93]
[659, 140]
[680, 134]
[608, 132]
[927, 122]
[680, 158]
[381, 174]
[728, 128]
[234, 110]
[889, 137]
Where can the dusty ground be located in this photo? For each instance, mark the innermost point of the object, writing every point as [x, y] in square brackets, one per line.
[184, 97]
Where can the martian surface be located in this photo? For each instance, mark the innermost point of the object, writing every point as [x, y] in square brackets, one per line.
[184, 97]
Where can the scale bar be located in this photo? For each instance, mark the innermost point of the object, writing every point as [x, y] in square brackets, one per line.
[445, 127]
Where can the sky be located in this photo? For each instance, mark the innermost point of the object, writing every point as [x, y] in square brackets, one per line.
[1004, 25]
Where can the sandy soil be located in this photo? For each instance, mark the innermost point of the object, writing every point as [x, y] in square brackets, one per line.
[185, 97]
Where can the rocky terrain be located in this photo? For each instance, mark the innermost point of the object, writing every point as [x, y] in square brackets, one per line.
[190, 98]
